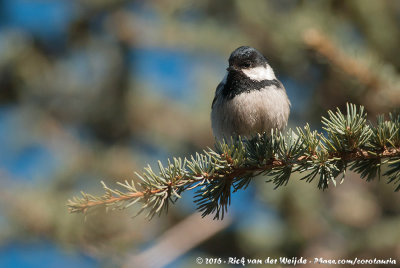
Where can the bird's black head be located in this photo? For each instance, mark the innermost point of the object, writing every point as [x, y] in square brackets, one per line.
[248, 71]
[246, 57]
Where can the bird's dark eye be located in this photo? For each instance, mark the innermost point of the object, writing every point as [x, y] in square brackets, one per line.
[246, 65]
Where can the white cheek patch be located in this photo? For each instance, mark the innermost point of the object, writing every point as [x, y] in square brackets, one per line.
[260, 73]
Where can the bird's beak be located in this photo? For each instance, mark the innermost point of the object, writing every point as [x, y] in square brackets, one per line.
[230, 68]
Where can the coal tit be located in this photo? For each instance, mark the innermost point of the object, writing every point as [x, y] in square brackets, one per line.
[250, 99]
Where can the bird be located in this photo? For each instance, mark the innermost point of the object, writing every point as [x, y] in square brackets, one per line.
[249, 99]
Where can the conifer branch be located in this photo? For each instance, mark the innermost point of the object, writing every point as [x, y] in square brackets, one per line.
[349, 142]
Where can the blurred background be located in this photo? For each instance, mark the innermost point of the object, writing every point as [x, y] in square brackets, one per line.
[94, 90]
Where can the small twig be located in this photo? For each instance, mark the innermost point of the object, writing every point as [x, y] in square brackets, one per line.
[326, 47]
[377, 86]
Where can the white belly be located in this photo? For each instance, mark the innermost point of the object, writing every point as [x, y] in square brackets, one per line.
[250, 113]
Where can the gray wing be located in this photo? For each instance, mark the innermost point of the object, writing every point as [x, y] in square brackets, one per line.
[217, 93]
[219, 89]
